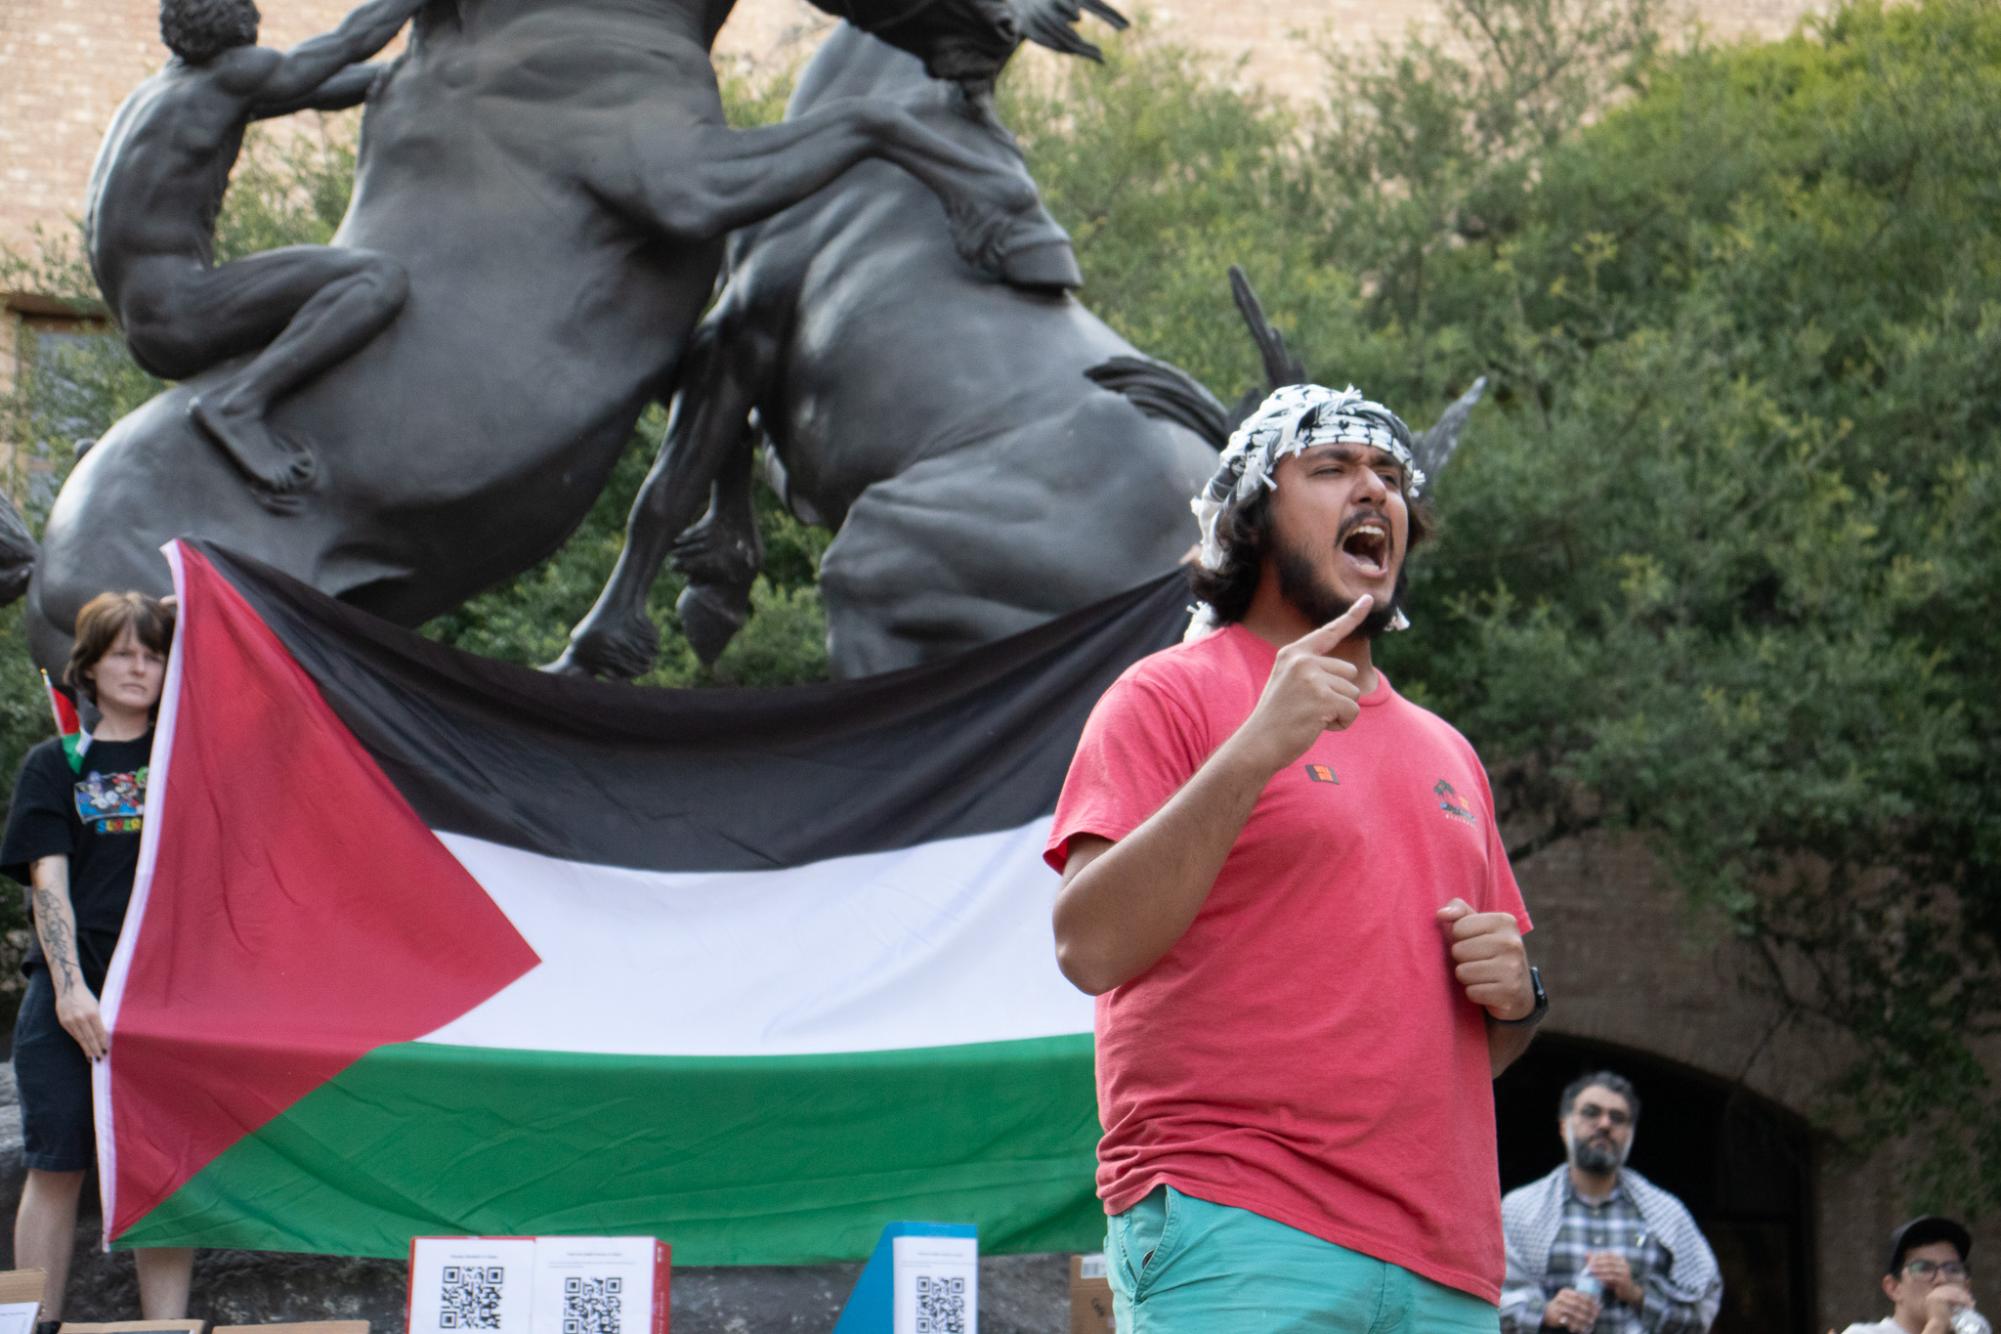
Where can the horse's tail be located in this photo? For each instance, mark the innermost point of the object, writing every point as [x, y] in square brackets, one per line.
[1280, 366]
[1167, 393]
[1435, 446]
[18, 553]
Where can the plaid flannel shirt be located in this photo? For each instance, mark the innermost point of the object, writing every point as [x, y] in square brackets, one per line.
[1672, 1264]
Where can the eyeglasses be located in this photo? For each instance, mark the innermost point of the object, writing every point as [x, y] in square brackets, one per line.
[1591, 1111]
[1951, 1270]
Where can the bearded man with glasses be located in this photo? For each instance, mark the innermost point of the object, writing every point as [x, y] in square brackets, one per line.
[1927, 1279]
[1594, 1246]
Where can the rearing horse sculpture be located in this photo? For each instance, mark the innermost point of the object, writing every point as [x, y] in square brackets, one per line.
[979, 481]
[991, 457]
[556, 178]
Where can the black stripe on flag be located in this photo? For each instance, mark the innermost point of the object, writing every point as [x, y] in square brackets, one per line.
[719, 779]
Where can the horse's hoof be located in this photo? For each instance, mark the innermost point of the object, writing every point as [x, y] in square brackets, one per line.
[711, 617]
[616, 655]
[1048, 264]
[566, 665]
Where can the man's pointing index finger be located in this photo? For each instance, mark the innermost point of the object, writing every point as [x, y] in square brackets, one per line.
[1326, 638]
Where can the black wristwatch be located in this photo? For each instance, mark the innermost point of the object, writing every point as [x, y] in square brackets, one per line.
[1534, 1016]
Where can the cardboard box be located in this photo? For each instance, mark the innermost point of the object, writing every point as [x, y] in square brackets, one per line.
[21, 1300]
[601, 1282]
[538, 1285]
[298, 1327]
[1090, 1296]
[458, 1283]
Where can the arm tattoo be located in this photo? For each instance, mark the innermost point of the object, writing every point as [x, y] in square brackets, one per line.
[57, 942]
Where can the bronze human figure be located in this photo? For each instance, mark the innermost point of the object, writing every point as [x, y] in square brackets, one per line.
[555, 181]
[149, 223]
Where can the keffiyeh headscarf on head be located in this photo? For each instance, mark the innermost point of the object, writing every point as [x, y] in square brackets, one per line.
[1293, 418]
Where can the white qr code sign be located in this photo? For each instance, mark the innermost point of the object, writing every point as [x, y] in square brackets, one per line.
[937, 1285]
[600, 1285]
[471, 1285]
[538, 1285]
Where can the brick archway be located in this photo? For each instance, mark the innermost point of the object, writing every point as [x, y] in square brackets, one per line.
[1741, 1163]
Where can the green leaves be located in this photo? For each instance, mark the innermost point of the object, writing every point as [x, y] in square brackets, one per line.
[1743, 470]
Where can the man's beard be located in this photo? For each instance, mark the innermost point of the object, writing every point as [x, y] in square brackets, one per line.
[1598, 1158]
[1300, 583]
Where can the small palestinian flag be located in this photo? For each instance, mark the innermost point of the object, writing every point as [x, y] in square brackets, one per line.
[426, 944]
[68, 725]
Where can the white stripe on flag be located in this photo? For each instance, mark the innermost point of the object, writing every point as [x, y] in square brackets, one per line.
[936, 945]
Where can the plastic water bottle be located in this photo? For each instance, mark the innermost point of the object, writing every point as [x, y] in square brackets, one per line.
[1591, 1286]
[1966, 1320]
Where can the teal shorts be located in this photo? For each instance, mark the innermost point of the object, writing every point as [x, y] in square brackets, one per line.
[1180, 1265]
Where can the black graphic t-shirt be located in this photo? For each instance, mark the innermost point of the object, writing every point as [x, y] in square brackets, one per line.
[92, 817]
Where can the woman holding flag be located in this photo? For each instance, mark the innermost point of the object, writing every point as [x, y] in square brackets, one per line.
[73, 839]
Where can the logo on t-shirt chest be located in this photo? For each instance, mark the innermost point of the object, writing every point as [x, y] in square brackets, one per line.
[112, 803]
[1445, 797]
[1450, 804]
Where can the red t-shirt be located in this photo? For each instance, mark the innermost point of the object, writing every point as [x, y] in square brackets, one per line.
[1304, 1051]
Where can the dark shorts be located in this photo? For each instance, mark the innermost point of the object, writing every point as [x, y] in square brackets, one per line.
[57, 1129]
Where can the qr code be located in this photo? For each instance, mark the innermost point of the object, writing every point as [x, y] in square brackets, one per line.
[941, 1305]
[591, 1305]
[470, 1297]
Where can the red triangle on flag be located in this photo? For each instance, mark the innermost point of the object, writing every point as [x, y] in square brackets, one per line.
[60, 708]
[299, 914]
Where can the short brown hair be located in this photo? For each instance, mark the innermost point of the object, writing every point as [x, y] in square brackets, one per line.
[102, 620]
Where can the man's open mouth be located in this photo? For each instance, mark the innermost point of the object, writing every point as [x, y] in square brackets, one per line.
[1368, 545]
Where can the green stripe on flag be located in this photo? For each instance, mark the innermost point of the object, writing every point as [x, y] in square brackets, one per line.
[731, 1160]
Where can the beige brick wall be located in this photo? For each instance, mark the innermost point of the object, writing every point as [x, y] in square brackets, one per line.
[65, 64]
[1266, 35]
[64, 67]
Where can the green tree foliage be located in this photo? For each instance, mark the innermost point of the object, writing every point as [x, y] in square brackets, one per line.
[1721, 569]
[1720, 562]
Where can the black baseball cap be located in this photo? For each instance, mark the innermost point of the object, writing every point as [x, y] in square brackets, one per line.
[1923, 1232]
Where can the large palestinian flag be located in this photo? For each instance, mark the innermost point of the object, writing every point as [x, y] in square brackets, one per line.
[423, 943]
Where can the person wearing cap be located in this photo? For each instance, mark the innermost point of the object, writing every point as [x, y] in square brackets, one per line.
[1284, 883]
[1596, 1246]
[1926, 1278]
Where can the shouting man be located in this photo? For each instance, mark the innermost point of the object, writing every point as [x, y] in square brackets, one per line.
[1596, 1246]
[1284, 884]
[150, 222]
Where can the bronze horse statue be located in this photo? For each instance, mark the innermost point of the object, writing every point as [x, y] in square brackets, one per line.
[990, 457]
[556, 180]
